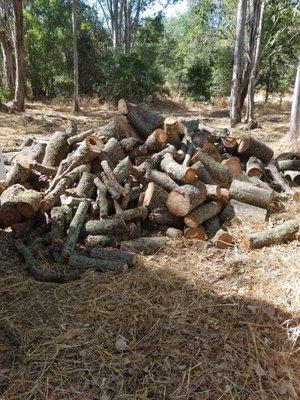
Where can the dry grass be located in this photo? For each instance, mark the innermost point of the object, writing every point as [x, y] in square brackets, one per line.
[190, 323]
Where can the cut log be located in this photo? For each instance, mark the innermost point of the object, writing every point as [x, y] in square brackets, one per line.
[73, 202]
[213, 131]
[126, 257]
[202, 213]
[250, 194]
[202, 173]
[219, 172]
[129, 144]
[113, 186]
[101, 199]
[155, 197]
[164, 218]
[211, 150]
[119, 128]
[234, 166]
[171, 127]
[254, 167]
[174, 233]
[83, 263]
[293, 177]
[144, 245]
[184, 199]
[219, 237]
[43, 169]
[123, 170]
[251, 147]
[289, 165]
[132, 214]
[155, 142]
[114, 151]
[296, 196]
[161, 179]
[279, 234]
[195, 233]
[92, 241]
[57, 232]
[75, 228]
[177, 171]
[213, 192]
[277, 177]
[156, 158]
[80, 137]
[224, 198]
[28, 202]
[230, 144]
[19, 171]
[57, 149]
[191, 124]
[105, 226]
[9, 213]
[34, 153]
[243, 213]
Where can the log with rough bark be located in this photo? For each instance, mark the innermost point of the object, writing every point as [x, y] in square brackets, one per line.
[164, 218]
[184, 199]
[86, 187]
[19, 171]
[219, 237]
[72, 128]
[123, 169]
[171, 127]
[73, 202]
[248, 193]
[234, 166]
[211, 150]
[213, 192]
[119, 128]
[230, 144]
[243, 213]
[42, 169]
[57, 149]
[219, 172]
[126, 257]
[105, 226]
[57, 233]
[113, 186]
[155, 142]
[78, 138]
[202, 173]
[279, 234]
[177, 171]
[92, 241]
[83, 263]
[277, 177]
[156, 158]
[28, 202]
[289, 165]
[197, 233]
[155, 197]
[251, 147]
[254, 167]
[25, 143]
[9, 214]
[161, 179]
[130, 143]
[213, 131]
[144, 245]
[114, 151]
[202, 213]
[224, 197]
[75, 228]
[101, 199]
[132, 214]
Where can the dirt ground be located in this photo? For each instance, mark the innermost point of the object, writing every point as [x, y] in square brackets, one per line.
[190, 323]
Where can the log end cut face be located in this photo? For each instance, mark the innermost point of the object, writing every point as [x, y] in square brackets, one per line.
[178, 203]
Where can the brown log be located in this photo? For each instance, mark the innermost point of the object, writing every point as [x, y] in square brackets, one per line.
[126, 257]
[128, 144]
[251, 147]
[171, 127]
[234, 166]
[144, 245]
[80, 137]
[277, 177]
[123, 169]
[184, 199]
[230, 144]
[213, 131]
[219, 237]
[114, 151]
[289, 165]
[202, 173]
[202, 213]
[177, 171]
[243, 213]
[195, 233]
[9, 214]
[164, 218]
[155, 197]
[213, 192]
[174, 233]
[113, 186]
[155, 142]
[279, 234]
[19, 172]
[101, 199]
[28, 202]
[211, 150]
[75, 228]
[156, 158]
[250, 194]
[57, 149]
[119, 128]
[219, 172]
[296, 196]
[254, 167]
[224, 198]
[293, 177]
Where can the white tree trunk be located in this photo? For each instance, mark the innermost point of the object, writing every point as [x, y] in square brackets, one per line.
[8, 70]
[295, 111]
[18, 39]
[75, 57]
[235, 106]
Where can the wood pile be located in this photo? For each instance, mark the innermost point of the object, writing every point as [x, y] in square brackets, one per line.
[95, 199]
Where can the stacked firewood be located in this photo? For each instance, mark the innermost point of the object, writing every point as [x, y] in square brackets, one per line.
[95, 199]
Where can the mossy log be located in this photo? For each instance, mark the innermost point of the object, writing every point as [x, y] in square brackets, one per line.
[218, 171]
[279, 234]
[57, 149]
[251, 147]
[123, 169]
[289, 165]
[161, 179]
[164, 218]
[171, 127]
[86, 186]
[250, 194]
[126, 257]
[155, 197]
[75, 228]
[197, 233]
[202, 213]
[184, 199]
[177, 171]
[202, 173]
[144, 245]
[42, 276]
[82, 263]
[219, 237]
[243, 213]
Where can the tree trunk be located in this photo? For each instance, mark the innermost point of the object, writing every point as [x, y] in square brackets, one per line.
[295, 111]
[18, 38]
[8, 70]
[75, 57]
[235, 107]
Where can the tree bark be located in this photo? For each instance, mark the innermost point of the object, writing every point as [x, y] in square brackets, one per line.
[75, 58]
[250, 194]
[295, 111]
[8, 70]
[18, 39]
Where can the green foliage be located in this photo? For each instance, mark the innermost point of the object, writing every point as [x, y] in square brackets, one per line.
[5, 94]
[222, 71]
[199, 80]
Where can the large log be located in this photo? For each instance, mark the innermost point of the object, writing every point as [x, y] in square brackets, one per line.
[119, 128]
[289, 165]
[144, 245]
[219, 172]
[86, 187]
[251, 147]
[254, 167]
[9, 214]
[155, 197]
[276, 235]
[161, 179]
[234, 166]
[75, 228]
[114, 151]
[177, 171]
[202, 213]
[155, 142]
[250, 194]
[105, 226]
[242, 212]
[19, 171]
[277, 177]
[156, 158]
[202, 173]
[43, 169]
[57, 149]
[123, 169]
[28, 202]
[164, 218]
[171, 127]
[213, 192]
[126, 257]
[184, 199]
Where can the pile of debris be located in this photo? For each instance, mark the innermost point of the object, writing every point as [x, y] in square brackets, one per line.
[131, 183]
